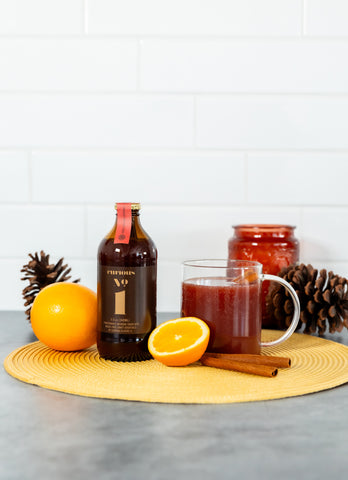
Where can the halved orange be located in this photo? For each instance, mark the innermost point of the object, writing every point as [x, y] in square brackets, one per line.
[179, 342]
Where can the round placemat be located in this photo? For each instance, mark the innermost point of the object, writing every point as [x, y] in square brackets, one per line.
[317, 364]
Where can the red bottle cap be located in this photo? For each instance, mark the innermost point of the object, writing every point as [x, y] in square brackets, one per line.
[124, 222]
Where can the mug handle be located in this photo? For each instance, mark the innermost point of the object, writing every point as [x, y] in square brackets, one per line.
[297, 309]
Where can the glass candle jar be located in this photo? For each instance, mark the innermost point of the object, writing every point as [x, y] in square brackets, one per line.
[275, 246]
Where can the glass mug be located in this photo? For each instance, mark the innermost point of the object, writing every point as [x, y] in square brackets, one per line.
[226, 294]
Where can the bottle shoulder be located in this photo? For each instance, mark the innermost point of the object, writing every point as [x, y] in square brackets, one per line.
[138, 252]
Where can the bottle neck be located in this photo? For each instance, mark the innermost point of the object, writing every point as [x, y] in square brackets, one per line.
[137, 230]
[135, 219]
[135, 214]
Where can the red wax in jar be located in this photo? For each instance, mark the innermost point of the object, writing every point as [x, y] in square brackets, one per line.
[232, 312]
[275, 246]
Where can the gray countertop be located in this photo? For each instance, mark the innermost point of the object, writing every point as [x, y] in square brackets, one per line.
[48, 434]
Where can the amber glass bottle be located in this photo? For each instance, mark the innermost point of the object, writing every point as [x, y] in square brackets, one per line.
[127, 269]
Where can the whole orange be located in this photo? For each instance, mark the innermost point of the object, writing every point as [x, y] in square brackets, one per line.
[64, 316]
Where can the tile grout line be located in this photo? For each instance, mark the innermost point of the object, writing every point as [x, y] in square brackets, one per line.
[85, 230]
[30, 176]
[303, 18]
[85, 17]
[138, 67]
[173, 37]
[302, 209]
[246, 179]
[170, 95]
[173, 151]
[194, 124]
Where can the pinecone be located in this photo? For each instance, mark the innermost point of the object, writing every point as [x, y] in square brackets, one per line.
[40, 273]
[323, 299]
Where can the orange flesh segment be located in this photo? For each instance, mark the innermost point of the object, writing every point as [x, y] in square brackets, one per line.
[173, 338]
[179, 342]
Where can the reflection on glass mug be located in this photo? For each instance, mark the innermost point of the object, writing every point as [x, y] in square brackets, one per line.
[226, 294]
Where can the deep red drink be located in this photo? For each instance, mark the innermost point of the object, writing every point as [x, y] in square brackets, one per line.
[232, 311]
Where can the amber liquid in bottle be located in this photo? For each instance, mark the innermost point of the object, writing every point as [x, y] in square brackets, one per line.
[126, 293]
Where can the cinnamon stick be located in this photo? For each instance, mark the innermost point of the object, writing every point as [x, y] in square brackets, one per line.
[244, 367]
[279, 362]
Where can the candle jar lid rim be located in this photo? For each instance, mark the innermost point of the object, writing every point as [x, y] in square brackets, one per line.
[224, 263]
[264, 226]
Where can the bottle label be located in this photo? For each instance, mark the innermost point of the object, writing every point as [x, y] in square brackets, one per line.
[124, 223]
[127, 303]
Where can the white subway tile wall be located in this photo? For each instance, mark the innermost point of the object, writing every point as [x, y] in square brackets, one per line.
[272, 122]
[244, 66]
[327, 18]
[47, 64]
[195, 17]
[211, 113]
[41, 17]
[95, 120]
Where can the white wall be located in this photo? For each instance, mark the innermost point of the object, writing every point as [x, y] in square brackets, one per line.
[209, 112]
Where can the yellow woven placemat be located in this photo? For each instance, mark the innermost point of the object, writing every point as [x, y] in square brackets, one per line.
[317, 364]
